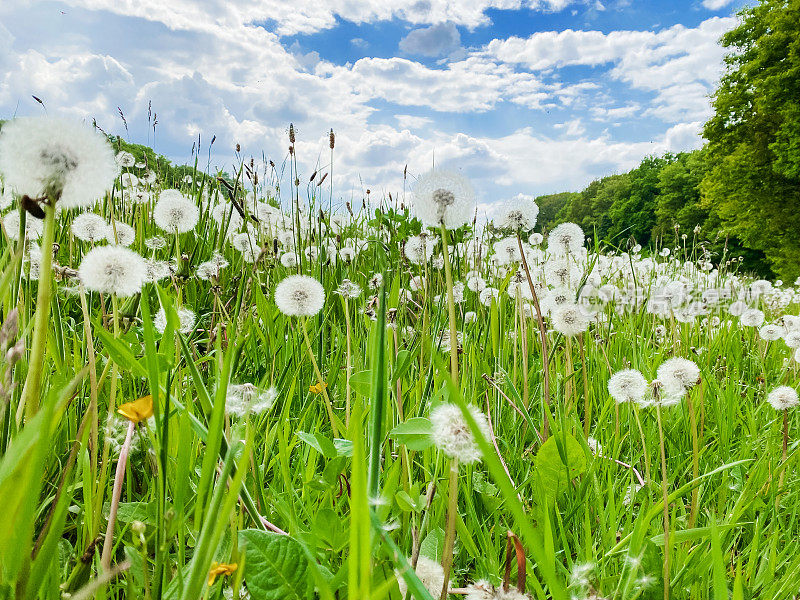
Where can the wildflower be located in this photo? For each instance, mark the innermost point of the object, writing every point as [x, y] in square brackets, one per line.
[519, 213]
[783, 398]
[661, 395]
[443, 198]
[175, 213]
[246, 398]
[317, 387]
[535, 239]
[771, 332]
[186, 320]
[125, 234]
[752, 317]
[113, 270]
[89, 227]
[792, 339]
[452, 434]
[129, 180]
[125, 159]
[418, 249]
[157, 270]
[220, 569]
[376, 281]
[429, 572]
[212, 267]
[155, 243]
[33, 226]
[289, 260]
[75, 162]
[348, 290]
[300, 296]
[569, 320]
[480, 590]
[678, 374]
[138, 410]
[566, 238]
[628, 385]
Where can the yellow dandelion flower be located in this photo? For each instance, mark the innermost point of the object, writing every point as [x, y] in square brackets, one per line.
[138, 410]
[317, 387]
[220, 569]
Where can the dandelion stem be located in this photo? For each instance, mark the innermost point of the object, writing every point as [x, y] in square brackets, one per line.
[665, 500]
[31, 392]
[451, 308]
[450, 533]
[542, 338]
[115, 496]
[695, 462]
[320, 380]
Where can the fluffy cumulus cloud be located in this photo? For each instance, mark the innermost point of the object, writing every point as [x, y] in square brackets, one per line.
[503, 112]
[436, 40]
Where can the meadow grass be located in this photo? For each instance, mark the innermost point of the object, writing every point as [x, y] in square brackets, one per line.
[322, 477]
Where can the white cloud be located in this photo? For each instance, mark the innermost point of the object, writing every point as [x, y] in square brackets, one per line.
[436, 40]
[716, 4]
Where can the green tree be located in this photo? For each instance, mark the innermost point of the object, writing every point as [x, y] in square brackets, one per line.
[753, 178]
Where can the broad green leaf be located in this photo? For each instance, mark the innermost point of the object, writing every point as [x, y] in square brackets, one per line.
[556, 467]
[276, 568]
[320, 443]
[415, 433]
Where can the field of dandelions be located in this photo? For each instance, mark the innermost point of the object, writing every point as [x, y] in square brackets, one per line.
[207, 394]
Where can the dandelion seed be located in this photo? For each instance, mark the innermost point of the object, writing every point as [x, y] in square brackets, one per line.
[247, 399]
[113, 270]
[479, 590]
[155, 243]
[349, 290]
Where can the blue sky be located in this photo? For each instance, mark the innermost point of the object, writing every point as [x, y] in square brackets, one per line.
[522, 96]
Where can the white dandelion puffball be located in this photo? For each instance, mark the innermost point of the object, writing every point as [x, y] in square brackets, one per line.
[678, 374]
[226, 212]
[300, 296]
[186, 320]
[289, 260]
[113, 270]
[752, 317]
[452, 434]
[443, 198]
[519, 213]
[418, 249]
[771, 332]
[566, 238]
[33, 226]
[175, 213]
[90, 227]
[125, 159]
[792, 339]
[246, 399]
[628, 385]
[38, 152]
[430, 573]
[568, 319]
[125, 234]
[349, 290]
[783, 398]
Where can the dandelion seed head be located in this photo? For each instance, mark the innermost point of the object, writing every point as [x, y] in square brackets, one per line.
[299, 296]
[89, 227]
[186, 320]
[568, 319]
[566, 238]
[443, 197]
[628, 385]
[452, 434]
[783, 398]
[113, 270]
[39, 152]
[430, 573]
[678, 374]
[519, 213]
[126, 234]
[175, 213]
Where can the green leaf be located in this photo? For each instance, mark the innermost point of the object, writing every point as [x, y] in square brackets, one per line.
[415, 433]
[402, 363]
[361, 383]
[433, 545]
[320, 443]
[276, 568]
[556, 466]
